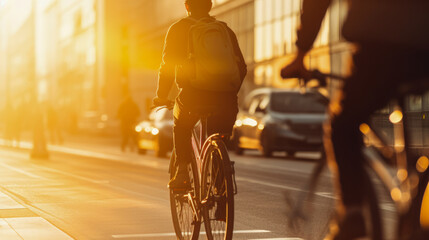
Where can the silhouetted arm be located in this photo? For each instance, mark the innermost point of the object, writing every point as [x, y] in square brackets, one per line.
[166, 75]
[313, 12]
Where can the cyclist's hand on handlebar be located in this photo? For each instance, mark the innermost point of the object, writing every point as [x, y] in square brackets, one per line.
[159, 102]
[296, 68]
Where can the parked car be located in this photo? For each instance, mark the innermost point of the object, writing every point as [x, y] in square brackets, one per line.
[156, 133]
[280, 120]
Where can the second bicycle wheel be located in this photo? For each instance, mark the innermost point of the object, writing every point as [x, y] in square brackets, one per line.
[217, 193]
[186, 224]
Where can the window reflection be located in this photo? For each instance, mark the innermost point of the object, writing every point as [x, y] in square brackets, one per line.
[276, 19]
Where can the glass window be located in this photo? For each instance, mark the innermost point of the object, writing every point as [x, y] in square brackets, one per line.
[278, 9]
[234, 22]
[250, 16]
[259, 11]
[296, 5]
[268, 41]
[295, 24]
[242, 18]
[278, 47]
[242, 43]
[415, 103]
[295, 102]
[268, 13]
[269, 10]
[259, 41]
[287, 7]
[287, 35]
[250, 46]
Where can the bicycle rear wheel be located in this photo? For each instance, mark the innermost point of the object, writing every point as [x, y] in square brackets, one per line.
[217, 193]
[370, 212]
[186, 224]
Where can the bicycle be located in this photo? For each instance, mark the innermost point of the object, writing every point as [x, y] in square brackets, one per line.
[210, 199]
[407, 184]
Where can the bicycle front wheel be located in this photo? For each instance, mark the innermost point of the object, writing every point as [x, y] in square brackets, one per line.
[186, 224]
[217, 193]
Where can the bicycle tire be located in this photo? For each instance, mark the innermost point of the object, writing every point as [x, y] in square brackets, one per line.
[414, 223]
[186, 226]
[373, 215]
[370, 211]
[217, 195]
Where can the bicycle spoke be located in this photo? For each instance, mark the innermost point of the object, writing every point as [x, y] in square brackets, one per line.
[216, 197]
[186, 223]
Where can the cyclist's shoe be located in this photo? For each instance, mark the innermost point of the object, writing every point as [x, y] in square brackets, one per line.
[180, 182]
[352, 226]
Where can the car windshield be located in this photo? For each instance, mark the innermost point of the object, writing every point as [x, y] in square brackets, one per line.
[294, 102]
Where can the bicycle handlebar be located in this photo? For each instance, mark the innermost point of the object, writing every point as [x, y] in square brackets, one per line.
[316, 75]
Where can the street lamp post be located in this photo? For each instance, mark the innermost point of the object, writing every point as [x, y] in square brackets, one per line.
[39, 149]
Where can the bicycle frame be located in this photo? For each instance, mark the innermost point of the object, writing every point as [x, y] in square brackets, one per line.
[197, 140]
[398, 185]
[402, 185]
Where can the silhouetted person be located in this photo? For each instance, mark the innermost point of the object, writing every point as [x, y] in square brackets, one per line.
[393, 43]
[128, 113]
[193, 98]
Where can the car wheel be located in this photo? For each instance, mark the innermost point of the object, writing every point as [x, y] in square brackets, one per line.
[237, 149]
[267, 152]
[266, 149]
[160, 149]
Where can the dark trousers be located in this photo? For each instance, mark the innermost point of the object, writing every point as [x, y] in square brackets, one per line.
[378, 72]
[221, 120]
[128, 136]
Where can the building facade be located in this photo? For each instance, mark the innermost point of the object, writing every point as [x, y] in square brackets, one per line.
[266, 30]
[88, 54]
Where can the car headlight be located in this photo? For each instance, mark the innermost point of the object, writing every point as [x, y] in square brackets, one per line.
[154, 131]
[138, 128]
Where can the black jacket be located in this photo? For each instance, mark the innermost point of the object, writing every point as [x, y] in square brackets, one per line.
[175, 52]
[397, 23]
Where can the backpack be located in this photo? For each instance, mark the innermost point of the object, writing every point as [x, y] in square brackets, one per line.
[212, 63]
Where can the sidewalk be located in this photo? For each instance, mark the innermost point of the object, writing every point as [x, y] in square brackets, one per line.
[102, 147]
[18, 222]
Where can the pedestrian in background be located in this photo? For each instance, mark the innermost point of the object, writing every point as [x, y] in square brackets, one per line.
[128, 113]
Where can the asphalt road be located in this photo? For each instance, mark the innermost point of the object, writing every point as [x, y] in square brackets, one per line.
[98, 196]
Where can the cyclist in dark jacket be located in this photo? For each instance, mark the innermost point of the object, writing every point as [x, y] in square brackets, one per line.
[393, 48]
[191, 100]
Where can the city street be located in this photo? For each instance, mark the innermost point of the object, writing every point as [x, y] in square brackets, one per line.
[89, 189]
[76, 76]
